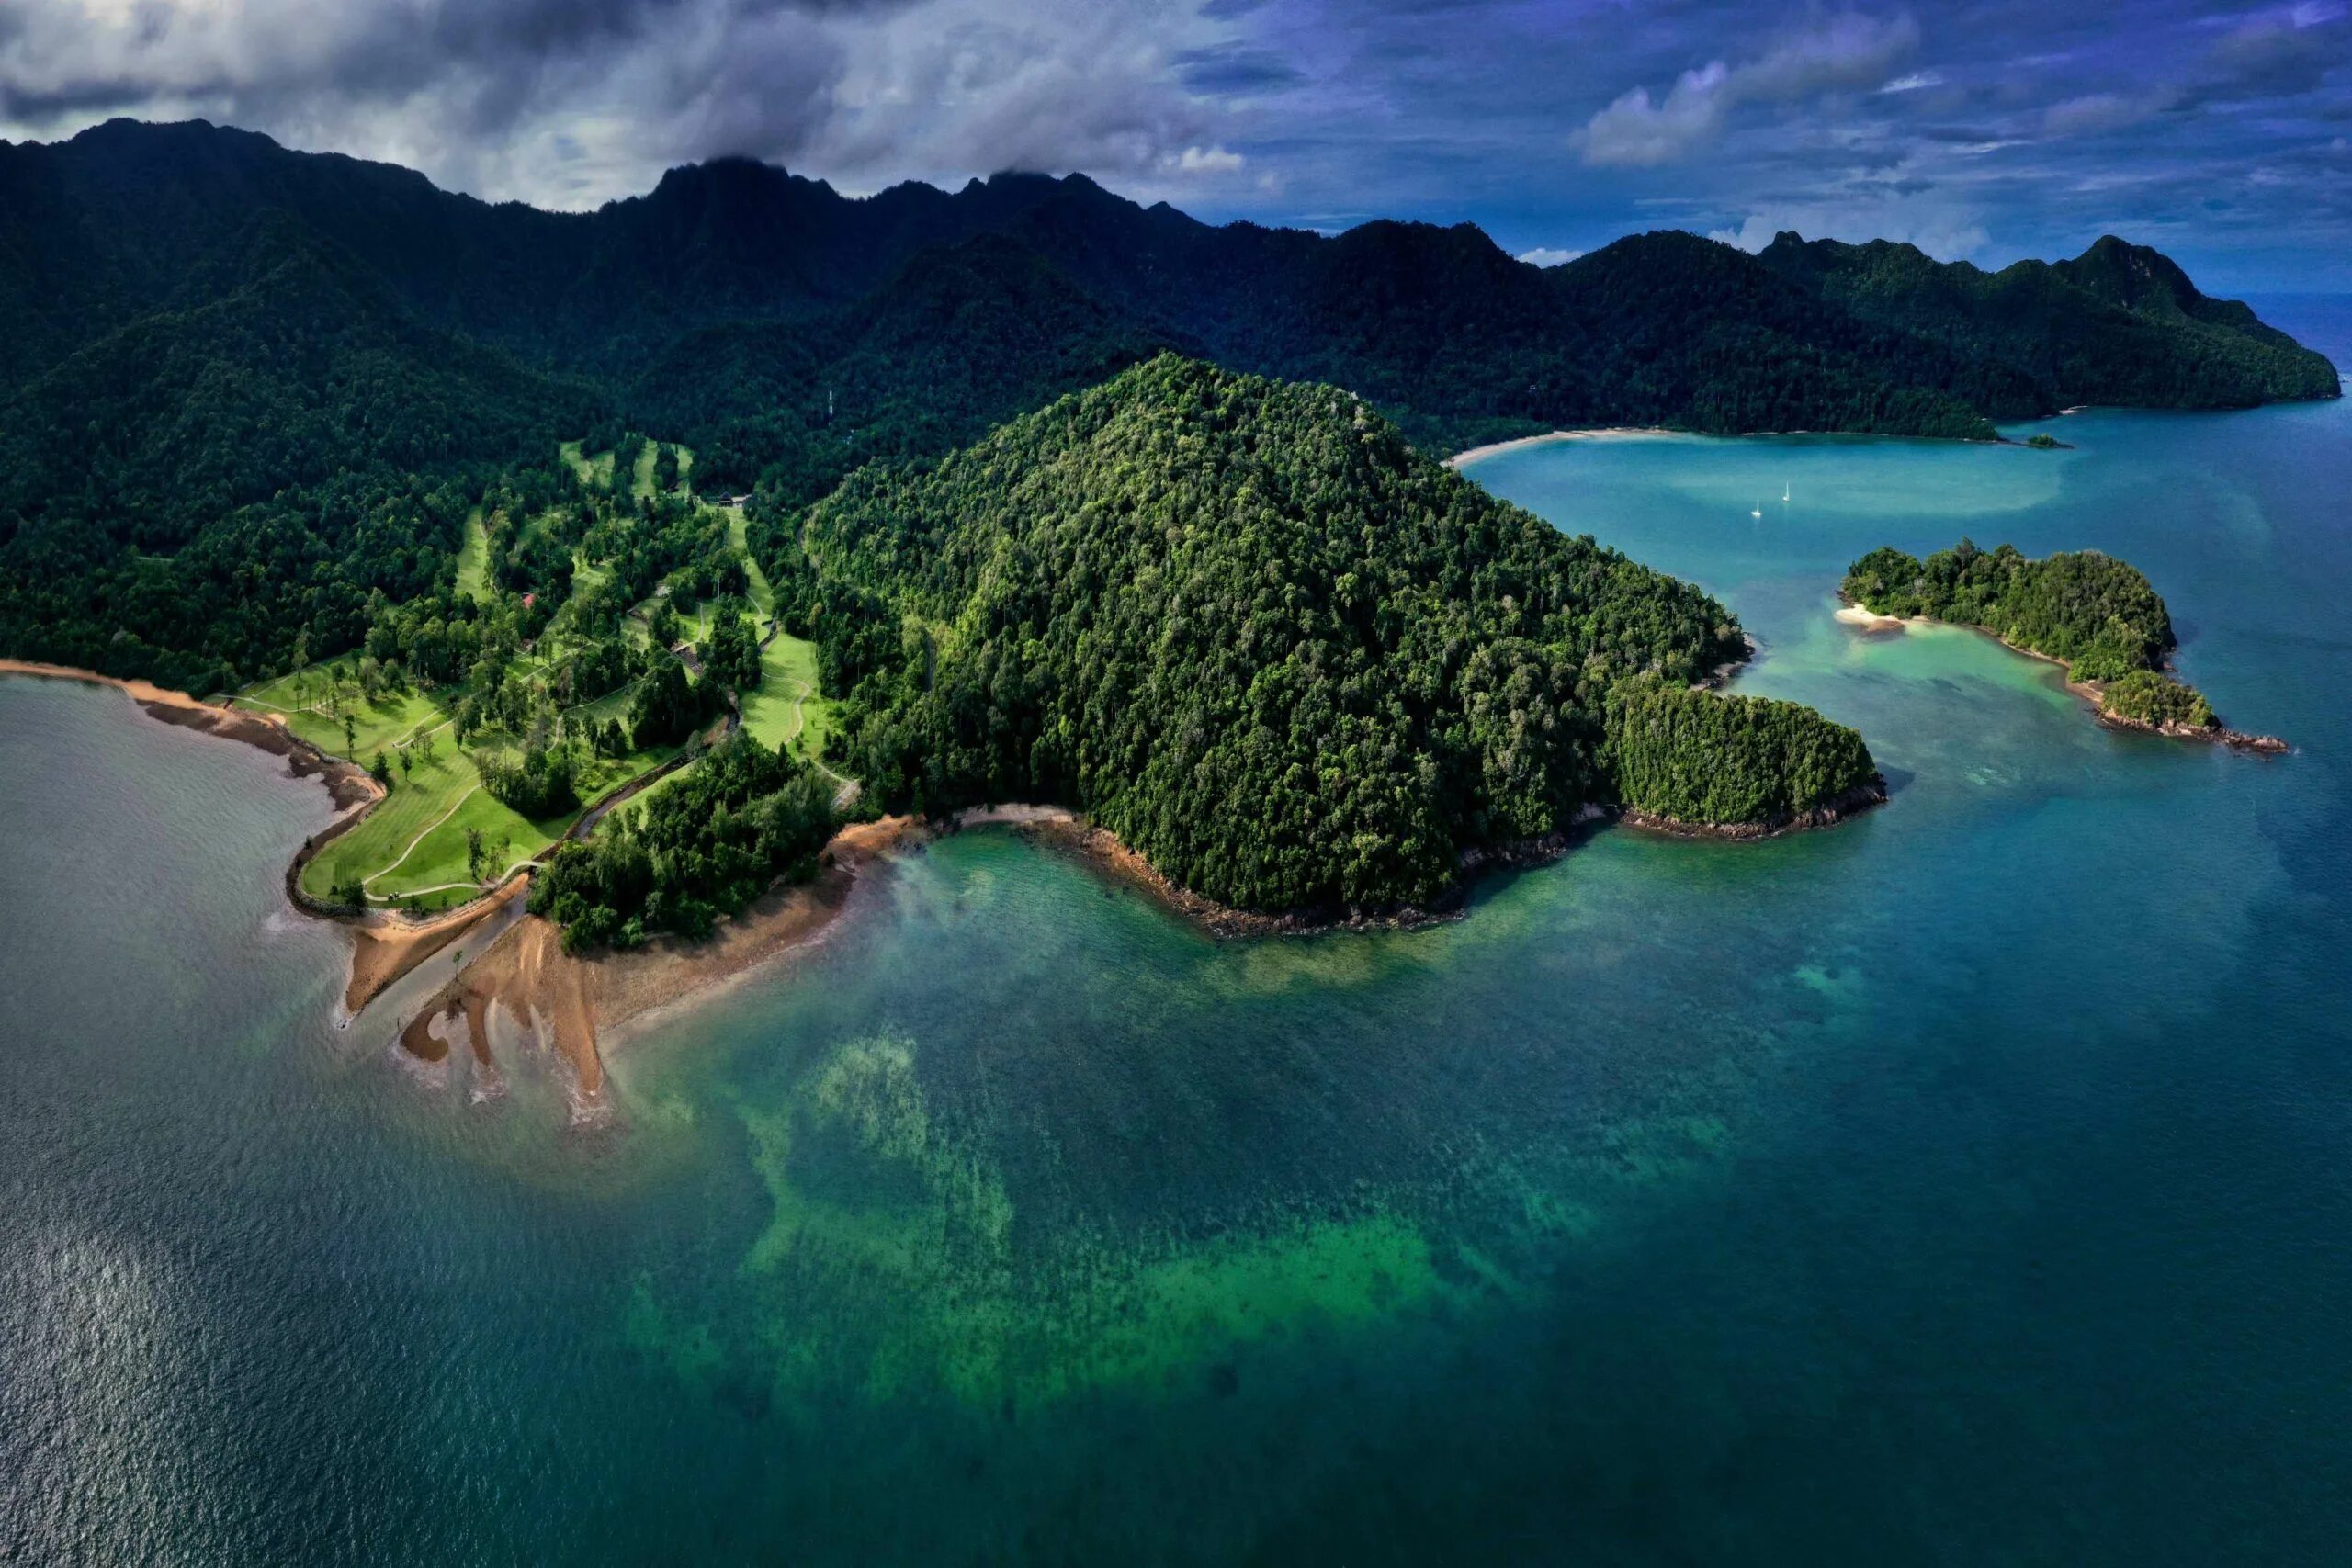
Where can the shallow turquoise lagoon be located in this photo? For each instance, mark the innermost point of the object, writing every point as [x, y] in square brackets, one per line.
[1967, 1183]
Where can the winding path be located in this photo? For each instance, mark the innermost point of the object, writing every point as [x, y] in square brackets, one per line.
[422, 834]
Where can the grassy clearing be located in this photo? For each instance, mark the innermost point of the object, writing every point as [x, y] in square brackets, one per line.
[473, 559]
[762, 596]
[641, 482]
[586, 574]
[414, 840]
[788, 706]
[594, 470]
[300, 700]
[413, 843]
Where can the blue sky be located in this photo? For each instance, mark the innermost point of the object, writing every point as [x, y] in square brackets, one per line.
[1985, 128]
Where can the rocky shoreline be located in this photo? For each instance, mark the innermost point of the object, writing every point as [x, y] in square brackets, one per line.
[1106, 853]
[2215, 735]
[1841, 808]
[567, 1002]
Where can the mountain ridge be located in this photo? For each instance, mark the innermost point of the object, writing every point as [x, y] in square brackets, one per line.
[789, 333]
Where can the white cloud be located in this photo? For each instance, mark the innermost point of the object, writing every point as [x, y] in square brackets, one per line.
[1547, 256]
[1945, 234]
[1203, 161]
[1639, 131]
[1636, 132]
[1913, 83]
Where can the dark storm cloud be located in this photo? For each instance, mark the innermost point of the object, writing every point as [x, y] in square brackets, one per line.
[1235, 70]
[1978, 128]
[569, 102]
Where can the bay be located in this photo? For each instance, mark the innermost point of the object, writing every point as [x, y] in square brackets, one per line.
[1964, 1182]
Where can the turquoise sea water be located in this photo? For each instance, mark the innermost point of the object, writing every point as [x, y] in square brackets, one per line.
[1967, 1183]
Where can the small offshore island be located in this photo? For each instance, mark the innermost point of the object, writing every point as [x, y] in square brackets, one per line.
[2097, 616]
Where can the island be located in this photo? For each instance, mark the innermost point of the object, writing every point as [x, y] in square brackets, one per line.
[2095, 616]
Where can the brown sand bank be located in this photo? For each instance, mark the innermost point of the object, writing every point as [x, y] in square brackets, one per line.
[387, 946]
[569, 1002]
[346, 783]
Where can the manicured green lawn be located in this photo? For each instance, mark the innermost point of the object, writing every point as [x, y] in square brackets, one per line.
[415, 839]
[762, 596]
[788, 706]
[392, 717]
[413, 843]
[586, 574]
[473, 560]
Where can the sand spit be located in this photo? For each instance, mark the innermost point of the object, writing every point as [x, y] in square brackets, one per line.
[1854, 615]
[574, 1005]
[527, 972]
[1597, 432]
[387, 946]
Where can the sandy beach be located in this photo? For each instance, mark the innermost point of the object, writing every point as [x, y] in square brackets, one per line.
[387, 946]
[1597, 432]
[345, 782]
[1870, 620]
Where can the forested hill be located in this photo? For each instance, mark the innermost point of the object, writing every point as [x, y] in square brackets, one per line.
[2120, 323]
[230, 364]
[666, 299]
[1291, 661]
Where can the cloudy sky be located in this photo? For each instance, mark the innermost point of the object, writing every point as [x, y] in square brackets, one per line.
[1978, 128]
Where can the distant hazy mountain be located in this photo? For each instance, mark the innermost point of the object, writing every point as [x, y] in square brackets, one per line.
[2120, 323]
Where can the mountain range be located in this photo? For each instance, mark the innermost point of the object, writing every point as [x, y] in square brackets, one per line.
[228, 358]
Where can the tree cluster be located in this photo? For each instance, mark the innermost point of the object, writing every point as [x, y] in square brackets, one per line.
[536, 782]
[2098, 614]
[1698, 757]
[699, 849]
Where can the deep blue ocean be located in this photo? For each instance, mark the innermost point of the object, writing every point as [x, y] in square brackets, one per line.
[1969, 1183]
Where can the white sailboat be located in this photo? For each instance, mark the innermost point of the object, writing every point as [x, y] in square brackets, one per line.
[1759, 508]
[1784, 494]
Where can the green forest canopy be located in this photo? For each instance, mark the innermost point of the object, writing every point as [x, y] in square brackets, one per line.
[2098, 614]
[1289, 660]
[247, 389]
